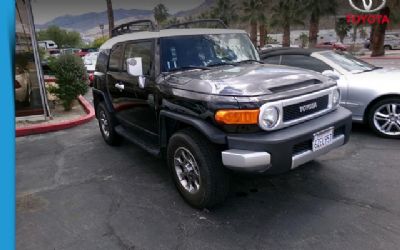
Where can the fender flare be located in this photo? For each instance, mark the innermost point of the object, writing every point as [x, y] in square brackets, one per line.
[212, 133]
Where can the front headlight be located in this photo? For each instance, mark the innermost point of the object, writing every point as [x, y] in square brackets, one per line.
[269, 117]
[336, 97]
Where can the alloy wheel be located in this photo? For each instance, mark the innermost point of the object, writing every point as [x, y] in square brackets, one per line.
[187, 170]
[105, 128]
[387, 119]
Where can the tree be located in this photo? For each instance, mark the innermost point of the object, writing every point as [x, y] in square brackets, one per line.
[379, 30]
[317, 9]
[61, 37]
[342, 28]
[70, 73]
[285, 14]
[98, 42]
[262, 21]
[226, 11]
[160, 13]
[110, 15]
[250, 15]
[304, 40]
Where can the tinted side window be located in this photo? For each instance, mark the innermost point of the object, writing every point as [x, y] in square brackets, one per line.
[305, 62]
[273, 60]
[116, 58]
[140, 49]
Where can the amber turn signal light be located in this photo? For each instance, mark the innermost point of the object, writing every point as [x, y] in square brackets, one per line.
[235, 116]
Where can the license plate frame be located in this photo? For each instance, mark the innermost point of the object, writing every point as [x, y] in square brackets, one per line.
[322, 139]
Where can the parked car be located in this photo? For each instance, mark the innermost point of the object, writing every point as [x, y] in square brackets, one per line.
[54, 52]
[332, 45]
[70, 51]
[391, 42]
[85, 51]
[22, 86]
[371, 93]
[90, 63]
[201, 99]
[47, 44]
[272, 46]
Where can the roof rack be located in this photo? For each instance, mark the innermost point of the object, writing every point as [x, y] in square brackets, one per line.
[135, 26]
[195, 24]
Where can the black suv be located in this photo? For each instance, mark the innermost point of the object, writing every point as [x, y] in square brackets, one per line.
[201, 99]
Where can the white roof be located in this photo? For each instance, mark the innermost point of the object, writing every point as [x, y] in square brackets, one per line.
[165, 33]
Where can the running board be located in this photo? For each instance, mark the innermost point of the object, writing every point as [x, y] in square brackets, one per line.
[139, 141]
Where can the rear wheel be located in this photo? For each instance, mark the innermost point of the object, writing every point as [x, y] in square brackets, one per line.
[107, 126]
[197, 169]
[384, 118]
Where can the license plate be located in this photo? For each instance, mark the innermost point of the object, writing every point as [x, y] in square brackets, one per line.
[322, 139]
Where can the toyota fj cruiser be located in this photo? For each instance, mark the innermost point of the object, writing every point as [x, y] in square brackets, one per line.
[201, 99]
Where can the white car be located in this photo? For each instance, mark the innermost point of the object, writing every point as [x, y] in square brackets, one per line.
[371, 93]
[90, 60]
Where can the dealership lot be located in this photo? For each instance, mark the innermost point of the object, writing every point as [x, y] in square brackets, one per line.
[75, 192]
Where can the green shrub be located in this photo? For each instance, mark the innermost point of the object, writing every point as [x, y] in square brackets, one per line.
[70, 74]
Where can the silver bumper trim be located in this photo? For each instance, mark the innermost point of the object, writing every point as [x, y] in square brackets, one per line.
[245, 160]
[309, 155]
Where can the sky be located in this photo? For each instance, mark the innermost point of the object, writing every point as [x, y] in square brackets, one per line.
[46, 10]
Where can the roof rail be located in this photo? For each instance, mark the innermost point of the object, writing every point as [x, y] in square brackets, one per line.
[135, 26]
[196, 23]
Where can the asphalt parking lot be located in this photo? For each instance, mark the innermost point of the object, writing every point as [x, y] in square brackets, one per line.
[75, 192]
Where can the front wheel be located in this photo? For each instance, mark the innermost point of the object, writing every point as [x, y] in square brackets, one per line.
[197, 169]
[384, 118]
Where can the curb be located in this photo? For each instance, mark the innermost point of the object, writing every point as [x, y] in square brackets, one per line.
[45, 128]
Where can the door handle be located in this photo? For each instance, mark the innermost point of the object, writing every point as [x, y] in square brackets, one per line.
[120, 86]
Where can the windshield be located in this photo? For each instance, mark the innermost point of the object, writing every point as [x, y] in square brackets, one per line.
[188, 52]
[348, 62]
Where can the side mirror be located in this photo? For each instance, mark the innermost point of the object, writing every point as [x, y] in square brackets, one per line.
[134, 66]
[331, 74]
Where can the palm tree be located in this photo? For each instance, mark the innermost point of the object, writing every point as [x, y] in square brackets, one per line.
[342, 28]
[160, 13]
[285, 14]
[226, 11]
[254, 13]
[379, 30]
[262, 21]
[317, 9]
[250, 15]
[110, 14]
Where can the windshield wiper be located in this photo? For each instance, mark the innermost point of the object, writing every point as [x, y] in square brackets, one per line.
[251, 60]
[221, 64]
[372, 69]
[365, 70]
[188, 68]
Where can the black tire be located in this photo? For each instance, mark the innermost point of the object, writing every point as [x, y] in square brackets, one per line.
[214, 178]
[110, 137]
[387, 47]
[376, 107]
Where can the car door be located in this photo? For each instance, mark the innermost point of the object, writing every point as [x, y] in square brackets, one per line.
[138, 111]
[114, 78]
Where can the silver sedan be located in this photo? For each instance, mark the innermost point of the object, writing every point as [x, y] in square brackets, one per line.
[371, 93]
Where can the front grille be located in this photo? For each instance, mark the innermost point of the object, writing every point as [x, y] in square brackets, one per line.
[299, 110]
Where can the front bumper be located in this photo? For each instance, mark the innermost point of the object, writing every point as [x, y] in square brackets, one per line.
[283, 150]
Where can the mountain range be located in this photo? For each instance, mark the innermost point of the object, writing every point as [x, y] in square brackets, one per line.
[88, 23]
